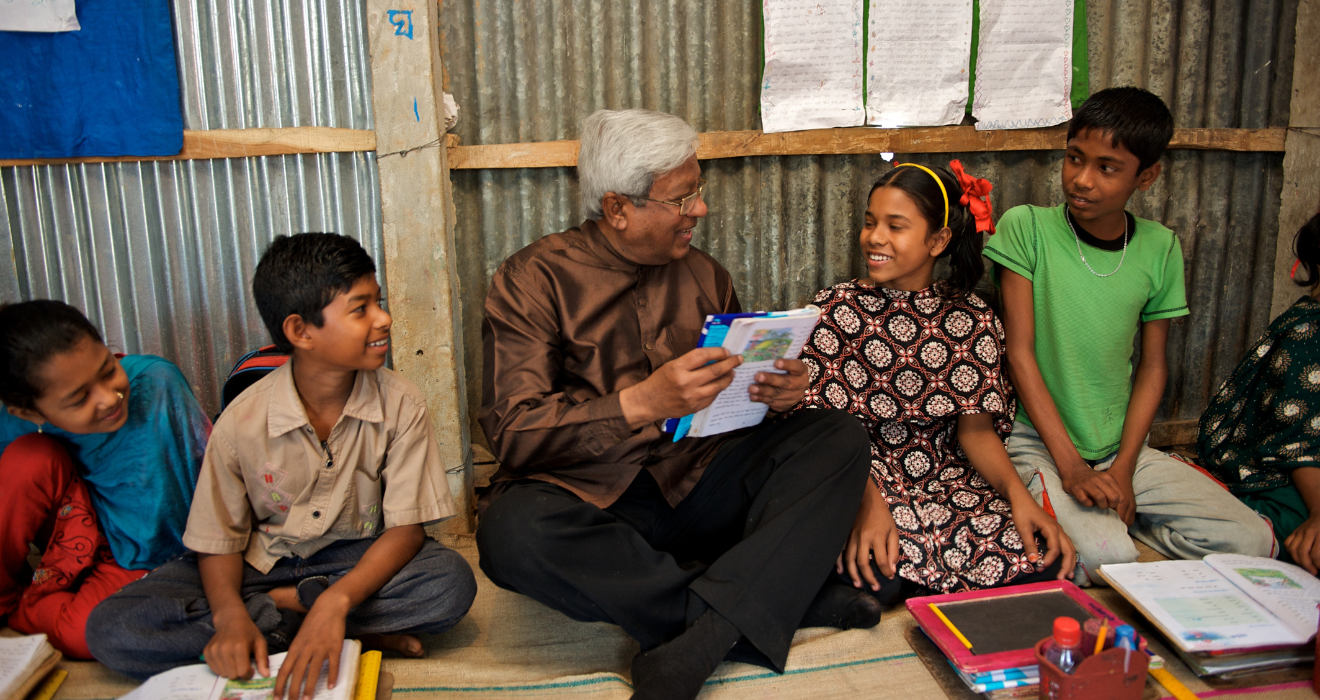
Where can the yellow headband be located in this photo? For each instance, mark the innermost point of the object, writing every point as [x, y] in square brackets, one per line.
[939, 182]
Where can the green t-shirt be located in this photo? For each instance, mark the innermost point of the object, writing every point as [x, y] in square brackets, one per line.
[1086, 325]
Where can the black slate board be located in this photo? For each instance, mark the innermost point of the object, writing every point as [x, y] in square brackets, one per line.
[1011, 622]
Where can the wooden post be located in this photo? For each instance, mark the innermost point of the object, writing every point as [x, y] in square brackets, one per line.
[417, 214]
[1301, 176]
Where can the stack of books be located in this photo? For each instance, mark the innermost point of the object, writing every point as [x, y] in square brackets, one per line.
[1227, 615]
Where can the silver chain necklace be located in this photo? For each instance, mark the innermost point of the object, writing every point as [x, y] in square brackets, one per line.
[1082, 255]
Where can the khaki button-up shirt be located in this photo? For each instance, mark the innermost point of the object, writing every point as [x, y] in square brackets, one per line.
[269, 488]
[569, 324]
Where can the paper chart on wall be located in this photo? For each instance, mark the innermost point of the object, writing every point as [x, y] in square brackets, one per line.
[917, 62]
[813, 65]
[38, 16]
[1024, 64]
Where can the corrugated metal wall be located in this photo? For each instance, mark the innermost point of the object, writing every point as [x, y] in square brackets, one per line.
[160, 254]
[786, 226]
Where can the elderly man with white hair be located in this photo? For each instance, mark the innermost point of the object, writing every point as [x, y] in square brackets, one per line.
[700, 549]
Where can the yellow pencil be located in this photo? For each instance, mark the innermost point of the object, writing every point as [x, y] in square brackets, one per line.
[47, 689]
[952, 629]
[1100, 640]
[1167, 680]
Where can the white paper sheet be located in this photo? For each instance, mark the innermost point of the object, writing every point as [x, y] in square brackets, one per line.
[17, 655]
[38, 16]
[196, 682]
[1024, 64]
[813, 65]
[917, 62]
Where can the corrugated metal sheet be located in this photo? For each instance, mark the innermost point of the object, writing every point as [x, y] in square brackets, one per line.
[785, 226]
[160, 254]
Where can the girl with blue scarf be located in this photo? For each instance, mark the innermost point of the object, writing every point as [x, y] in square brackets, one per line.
[99, 457]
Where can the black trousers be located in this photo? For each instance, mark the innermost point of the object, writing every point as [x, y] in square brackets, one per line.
[754, 540]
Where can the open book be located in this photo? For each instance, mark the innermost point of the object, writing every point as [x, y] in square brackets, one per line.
[24, 661]
[1223, 603]
[198, 683]
[761, 338]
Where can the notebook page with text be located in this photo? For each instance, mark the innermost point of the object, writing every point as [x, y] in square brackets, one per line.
[1197, 607]
[917, 61]
[813, 65]
[1024, 64]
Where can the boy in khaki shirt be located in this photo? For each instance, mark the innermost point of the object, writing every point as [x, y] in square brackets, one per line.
[307, 519]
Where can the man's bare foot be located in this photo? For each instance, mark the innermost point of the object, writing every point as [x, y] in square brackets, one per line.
[286, 598]
[405, 644]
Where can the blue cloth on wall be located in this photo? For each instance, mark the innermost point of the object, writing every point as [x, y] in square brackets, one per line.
[142, 476]
[109, 89]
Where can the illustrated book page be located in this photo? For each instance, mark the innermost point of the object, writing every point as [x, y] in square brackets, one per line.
[1199, 608]
[760, 341]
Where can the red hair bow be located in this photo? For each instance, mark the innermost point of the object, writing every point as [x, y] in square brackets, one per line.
[976, 197]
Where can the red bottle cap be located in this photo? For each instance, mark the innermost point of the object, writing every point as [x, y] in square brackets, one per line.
[1067, 632]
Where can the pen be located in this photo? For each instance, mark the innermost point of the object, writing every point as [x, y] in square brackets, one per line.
[1100, 639]
[1126, 637]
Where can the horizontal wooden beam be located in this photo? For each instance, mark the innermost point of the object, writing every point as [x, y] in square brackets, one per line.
[858, 140]
[243, 143]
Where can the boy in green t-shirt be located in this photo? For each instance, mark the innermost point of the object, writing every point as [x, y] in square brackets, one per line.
[1077, 280]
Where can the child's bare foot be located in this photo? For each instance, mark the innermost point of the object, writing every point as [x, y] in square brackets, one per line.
[286, 598]
[405, 644]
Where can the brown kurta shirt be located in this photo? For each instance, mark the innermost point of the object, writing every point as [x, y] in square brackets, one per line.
[569, 324]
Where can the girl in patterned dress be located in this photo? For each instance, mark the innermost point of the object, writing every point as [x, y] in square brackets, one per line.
[1260, 435]
[918, 362]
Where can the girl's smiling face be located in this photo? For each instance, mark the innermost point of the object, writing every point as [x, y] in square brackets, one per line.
[897, 243]
[83, 390]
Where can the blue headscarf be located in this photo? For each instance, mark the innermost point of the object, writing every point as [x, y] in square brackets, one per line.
[141, 477]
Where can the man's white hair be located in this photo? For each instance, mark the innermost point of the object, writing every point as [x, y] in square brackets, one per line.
[624, 150]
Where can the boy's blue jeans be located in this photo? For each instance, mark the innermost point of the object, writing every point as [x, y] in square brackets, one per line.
[163, 620]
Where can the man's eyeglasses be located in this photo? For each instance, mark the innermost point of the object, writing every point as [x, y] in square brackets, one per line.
[685, 204]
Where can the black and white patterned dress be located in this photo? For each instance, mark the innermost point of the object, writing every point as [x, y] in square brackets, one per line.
[907, 364]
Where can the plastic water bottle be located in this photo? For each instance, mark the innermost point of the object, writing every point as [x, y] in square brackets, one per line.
[1064, 649]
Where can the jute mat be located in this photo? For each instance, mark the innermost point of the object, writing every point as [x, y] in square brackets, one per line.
[511, 647]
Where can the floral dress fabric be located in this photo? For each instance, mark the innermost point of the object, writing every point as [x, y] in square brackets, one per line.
[1265, 420]
[907, 364]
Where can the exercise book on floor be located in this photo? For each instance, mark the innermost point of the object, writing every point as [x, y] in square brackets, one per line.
[24, 661]
[196, 682]
[761, 338]
[1223, 603]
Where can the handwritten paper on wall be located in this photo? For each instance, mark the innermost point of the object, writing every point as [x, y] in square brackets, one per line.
[38, 16]
[1024, 64]
[813, 65]
[916, 62]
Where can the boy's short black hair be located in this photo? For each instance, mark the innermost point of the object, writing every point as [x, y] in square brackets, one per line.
[31, 333]
[1134, 119]
[302, 274]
